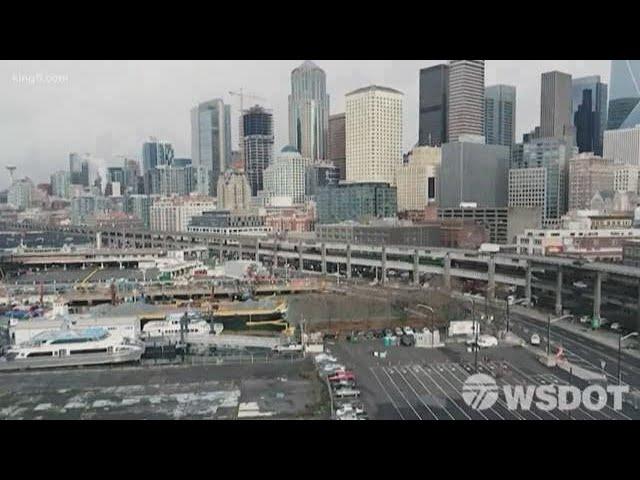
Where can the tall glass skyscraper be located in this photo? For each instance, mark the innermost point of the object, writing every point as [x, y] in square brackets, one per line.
[257, 124]
[211, 138]
[434, 91]
[155, 153]
[589, 112]
[624, 98]
[309, 111]
[500, 115]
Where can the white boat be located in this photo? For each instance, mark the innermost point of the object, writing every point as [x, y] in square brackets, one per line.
[67, 347]
[171, 326]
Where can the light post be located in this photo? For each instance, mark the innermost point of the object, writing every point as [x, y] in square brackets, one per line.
[427, 307]
[514, 302]
[549, 322]
[620, 339]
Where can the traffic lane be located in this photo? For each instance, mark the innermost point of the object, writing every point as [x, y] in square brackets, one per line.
[581, 350]
[594, 346]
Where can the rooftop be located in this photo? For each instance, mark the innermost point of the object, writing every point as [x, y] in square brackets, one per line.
[372, 88]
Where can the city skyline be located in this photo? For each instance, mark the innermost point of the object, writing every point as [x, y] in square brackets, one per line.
[129, 101]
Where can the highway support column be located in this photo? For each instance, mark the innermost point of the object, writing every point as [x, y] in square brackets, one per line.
[98, 240]
[491, 286]
[597, 296]
[383, 276]
[348, 260]
[257, 249]
[559, 291]
[324, 259]
[300, 260]
[416, 267]
[447, 270]
[527, 283]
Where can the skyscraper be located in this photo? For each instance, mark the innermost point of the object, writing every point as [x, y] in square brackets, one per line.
[79, 169]
[555, 104]
[434, 91]
[211, 138]
[258, 144]
[156, 153]
[309, 111]
[624, 98]
[338, 143]
[589, 113]
[373, 134]
[500, 115]
[466, 99]
[286, 176]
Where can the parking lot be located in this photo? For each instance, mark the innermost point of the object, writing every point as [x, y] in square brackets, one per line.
[424, 384]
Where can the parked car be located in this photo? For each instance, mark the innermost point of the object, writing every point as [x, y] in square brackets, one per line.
[398, 331]
[535, 339]
[615, 326]
[333, 368]
[343, 375]
[408, 330]
[388, 332]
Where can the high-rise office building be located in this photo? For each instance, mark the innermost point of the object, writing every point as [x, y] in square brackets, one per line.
[589, 113]
[286, 176]
[466, 99]
[79, 169]
[373, 134]
[473, 172]
[623, 145]
[61, 184]
[626, 178]
[338, 143]
[169, 180]
[155, 153]
[624, 96]
[356, 202]
[434, 94]
[211, 138]
[234, 191]
[318, 175]
[588, 174]
[500, 115]
[416, 180]
[555, 104]
[545, 162]
[21, 193]
[258, 144]
[309, 111]
[140, 206]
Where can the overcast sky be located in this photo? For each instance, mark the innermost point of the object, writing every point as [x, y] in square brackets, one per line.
[51, 108]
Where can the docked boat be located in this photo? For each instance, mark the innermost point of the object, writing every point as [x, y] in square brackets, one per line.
[174, 324]
[67, 347]
[263, 314]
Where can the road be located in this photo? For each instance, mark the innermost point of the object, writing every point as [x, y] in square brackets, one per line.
[425, 384]
[580, 350]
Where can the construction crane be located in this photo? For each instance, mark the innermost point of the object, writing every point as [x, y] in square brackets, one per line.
[242, 96]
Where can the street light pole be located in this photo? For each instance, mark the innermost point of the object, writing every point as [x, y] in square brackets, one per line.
[548, 335]
[620, 339]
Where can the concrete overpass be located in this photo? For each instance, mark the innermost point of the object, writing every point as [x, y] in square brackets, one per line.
[493, 268]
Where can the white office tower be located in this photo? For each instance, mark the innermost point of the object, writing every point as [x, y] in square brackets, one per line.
[285, 177]
[373, 134]
[466, 98]
[623, 145]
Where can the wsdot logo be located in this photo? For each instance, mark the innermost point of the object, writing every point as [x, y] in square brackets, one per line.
[480, 391]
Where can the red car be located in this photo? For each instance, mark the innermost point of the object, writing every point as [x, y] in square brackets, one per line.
[340, 376]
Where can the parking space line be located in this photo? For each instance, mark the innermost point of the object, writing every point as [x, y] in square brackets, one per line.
[386, 372]
[445, 393]
[440, 368]
[387, 393]
[429, 392]
[500, 401]
[517, 372]
[416, 394]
